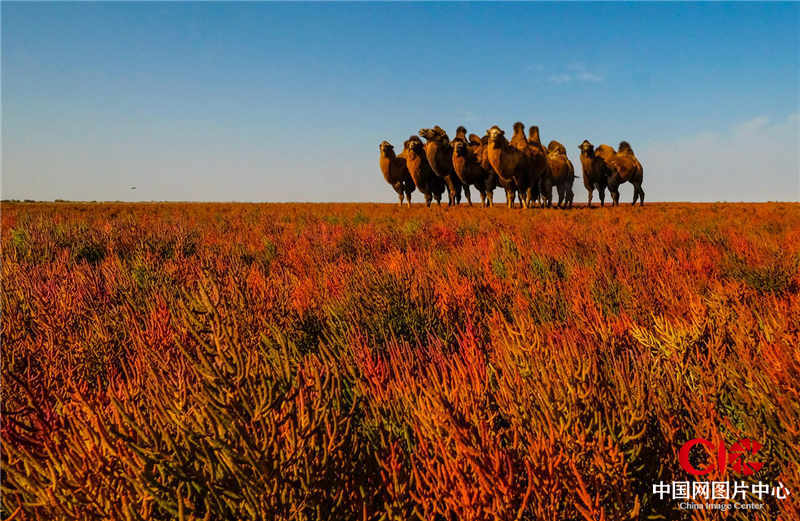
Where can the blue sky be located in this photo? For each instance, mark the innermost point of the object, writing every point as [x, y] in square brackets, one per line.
[277, 102]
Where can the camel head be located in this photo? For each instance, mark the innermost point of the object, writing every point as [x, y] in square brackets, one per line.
[436, 134]
[415, 144]
[427, 133]
[625, 147]
[496, 134]
[386, 148]
[586, 148]
[461, 132]
[441, 134]
[555, 146]
[519, 128]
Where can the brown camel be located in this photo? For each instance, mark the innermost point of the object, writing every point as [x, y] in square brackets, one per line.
[570, 194]
[624, 168]
[537, 159]
[595, 172]
[511, 165]
[421, 172]
[482, 151]
[559, 174]
[440, 154]
[469, 161]
[395, 172]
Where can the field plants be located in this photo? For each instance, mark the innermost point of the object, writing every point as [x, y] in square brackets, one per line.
[338, 362]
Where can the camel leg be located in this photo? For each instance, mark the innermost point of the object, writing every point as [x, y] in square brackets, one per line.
[638, 188]
[467, 195]
[601, 191]
[483, 197]
[490, 183]
[547, 192]
[408, 198]
[560, 191]
[590, 198]
[400, 196]
[531, 198]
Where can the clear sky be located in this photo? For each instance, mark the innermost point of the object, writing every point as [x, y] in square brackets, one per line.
[288, 102]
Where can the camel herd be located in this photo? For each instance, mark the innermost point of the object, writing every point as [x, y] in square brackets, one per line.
[523, 167]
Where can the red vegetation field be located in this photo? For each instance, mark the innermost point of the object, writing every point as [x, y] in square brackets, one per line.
[314, 362]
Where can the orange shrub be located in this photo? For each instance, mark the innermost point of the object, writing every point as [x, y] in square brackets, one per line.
[311, 362]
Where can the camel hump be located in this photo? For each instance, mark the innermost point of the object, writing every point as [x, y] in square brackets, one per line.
[625, 147]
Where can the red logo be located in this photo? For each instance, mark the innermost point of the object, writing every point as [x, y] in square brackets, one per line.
[735, 456]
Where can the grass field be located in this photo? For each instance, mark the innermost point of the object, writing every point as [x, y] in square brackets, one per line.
[334, 361]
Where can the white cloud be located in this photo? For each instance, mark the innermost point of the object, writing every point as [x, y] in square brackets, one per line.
[589, 76]
[748, 127]
[576, 72]
[559, 79]
[756, 160]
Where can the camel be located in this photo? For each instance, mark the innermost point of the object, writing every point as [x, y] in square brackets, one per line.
[595, 172]
[469, 163]
[439, 154]
[511, 165]
[421, 172]
[570, 194]
[559, 174]
[481, 145]
[537, 160]
[624, 168]
[395, 172]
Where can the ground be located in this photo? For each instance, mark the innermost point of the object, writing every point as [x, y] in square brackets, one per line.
[343, 361]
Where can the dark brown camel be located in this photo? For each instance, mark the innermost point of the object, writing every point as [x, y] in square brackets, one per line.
[395, 172]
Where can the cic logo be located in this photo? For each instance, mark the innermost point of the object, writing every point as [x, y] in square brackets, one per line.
[736, 456]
